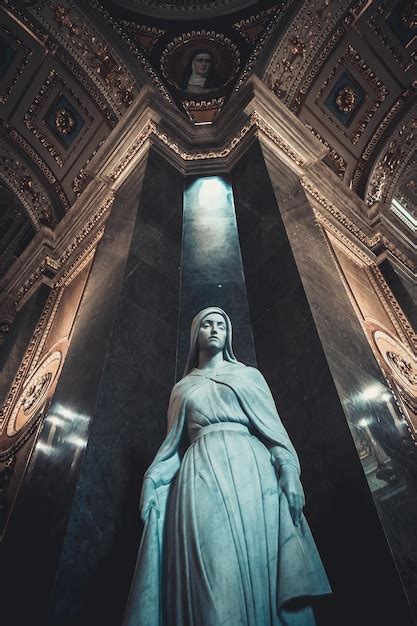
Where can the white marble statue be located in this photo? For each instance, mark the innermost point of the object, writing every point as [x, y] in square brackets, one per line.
[225, 542]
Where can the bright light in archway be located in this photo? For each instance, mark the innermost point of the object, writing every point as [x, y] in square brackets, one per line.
[212, 193]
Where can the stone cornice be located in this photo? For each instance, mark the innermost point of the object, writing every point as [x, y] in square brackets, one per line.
[254, 112]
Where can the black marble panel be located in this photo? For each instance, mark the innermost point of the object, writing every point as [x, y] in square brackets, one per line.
[311, 349]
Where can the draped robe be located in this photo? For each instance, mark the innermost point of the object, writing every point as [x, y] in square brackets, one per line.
[299, 571]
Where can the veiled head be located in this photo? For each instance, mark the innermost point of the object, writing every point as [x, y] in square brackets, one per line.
[194, 337]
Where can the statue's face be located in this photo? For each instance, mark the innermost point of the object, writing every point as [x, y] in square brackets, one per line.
[202, 64]
[212, 334]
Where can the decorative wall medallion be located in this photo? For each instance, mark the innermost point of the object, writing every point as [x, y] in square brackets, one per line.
[200, 62]
[64, 120]
[399, 360]
[34, 393]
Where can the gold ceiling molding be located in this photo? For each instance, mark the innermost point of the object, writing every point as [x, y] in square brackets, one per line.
[59, 263]
[393, 160]
[255, 121]
[334, 160]
[339, 215]
[352, 56]
[376, 136]
[24, 54]
[17, 137]
[80, 181]
[314, 27]
[391, 307]
[26, 186]
[77, 34]
[369, 241]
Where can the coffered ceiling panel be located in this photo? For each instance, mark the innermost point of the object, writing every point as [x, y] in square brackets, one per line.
[20, 55]
[57, 118]
[353, 94]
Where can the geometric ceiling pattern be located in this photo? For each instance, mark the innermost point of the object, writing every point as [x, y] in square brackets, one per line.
[70, 69]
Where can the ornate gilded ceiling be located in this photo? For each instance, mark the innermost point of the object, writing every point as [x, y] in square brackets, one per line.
[184, 9]
[71, 69]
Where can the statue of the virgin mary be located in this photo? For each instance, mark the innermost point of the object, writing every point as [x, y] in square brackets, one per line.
[225, 542]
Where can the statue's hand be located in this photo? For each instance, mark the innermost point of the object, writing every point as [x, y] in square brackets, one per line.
[293, 489]
[148, 499]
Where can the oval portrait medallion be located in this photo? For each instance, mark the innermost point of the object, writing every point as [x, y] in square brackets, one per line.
[200, 62]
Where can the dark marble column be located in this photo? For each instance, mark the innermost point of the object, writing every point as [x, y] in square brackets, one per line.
[129, 419]
[79, 505]
[311, 348]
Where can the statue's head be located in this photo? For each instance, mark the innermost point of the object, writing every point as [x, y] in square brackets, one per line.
[211, 330]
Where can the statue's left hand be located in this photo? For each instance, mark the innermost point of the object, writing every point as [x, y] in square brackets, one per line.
[293, 489]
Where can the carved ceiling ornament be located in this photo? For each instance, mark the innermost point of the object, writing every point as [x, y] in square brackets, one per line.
[40, 163]
[24, 183]
[311, 36]
[64, 121]
[34, 118]
[394, 159]
[378, 25]
[381, 92]
[346, 99]
[196, 9]
[137, 51]
[250, 28]
[88, 46]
